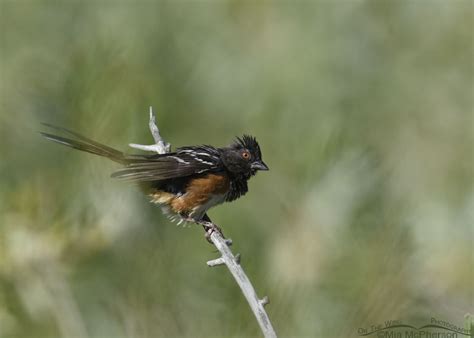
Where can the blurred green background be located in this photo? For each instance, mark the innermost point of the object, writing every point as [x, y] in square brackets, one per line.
[363, 110]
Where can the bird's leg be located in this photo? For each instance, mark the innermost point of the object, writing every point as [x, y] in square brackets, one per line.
[210, 227]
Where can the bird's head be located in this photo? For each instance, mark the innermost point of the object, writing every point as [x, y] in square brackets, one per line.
[243, 157]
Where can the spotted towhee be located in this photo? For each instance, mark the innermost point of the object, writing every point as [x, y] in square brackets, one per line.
[186, 182]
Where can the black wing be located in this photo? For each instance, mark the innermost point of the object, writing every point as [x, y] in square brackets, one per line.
[185, 161]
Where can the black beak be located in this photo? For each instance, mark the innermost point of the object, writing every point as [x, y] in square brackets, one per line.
[259, 165]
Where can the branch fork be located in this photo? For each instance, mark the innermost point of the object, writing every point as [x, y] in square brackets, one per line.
[160, 146]
[227, 257]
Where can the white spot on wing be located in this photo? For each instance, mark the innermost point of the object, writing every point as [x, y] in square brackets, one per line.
[202, 161]
[180, 160]
[204, 154]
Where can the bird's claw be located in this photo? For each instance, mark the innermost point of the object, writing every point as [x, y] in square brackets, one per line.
[210, 228]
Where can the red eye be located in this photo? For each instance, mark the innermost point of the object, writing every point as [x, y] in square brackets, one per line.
[246, 155]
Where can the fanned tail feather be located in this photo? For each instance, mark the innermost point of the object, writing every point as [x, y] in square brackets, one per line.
[85, 144]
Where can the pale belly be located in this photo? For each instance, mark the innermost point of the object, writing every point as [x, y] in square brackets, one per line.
[199, 211]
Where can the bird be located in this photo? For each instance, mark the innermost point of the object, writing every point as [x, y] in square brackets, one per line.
[186, 182]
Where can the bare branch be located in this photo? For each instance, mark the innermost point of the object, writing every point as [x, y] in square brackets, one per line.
[233, 264]
[160, 146]
[227, 257]
[216, 262]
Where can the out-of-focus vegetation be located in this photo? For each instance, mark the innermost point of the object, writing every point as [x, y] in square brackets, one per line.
[364, 112]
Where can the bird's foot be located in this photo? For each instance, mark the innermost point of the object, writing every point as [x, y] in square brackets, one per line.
[209, 228]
